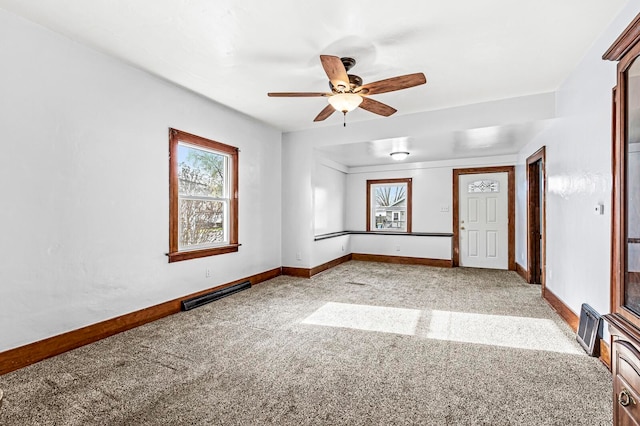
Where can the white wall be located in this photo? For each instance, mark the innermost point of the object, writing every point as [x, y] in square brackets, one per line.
[431, 192]
[299, 154]
[326, 250]
[297, 204]
[431, 211]
[329, 196]
[403, 245]
[84, 217]
[578, 166]
[432, 205]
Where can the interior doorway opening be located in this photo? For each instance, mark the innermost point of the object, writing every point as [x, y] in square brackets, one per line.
[536, 180]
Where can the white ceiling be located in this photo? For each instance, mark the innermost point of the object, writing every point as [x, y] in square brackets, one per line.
[235, 51]
[476, 142]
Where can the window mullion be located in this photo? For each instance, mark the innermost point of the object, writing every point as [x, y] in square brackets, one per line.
[201, 198]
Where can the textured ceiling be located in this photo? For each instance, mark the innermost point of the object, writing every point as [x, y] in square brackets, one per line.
[235, 51]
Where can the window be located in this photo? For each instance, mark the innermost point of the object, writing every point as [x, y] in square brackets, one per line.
[203, 197]
[389, 205]
[484, 186]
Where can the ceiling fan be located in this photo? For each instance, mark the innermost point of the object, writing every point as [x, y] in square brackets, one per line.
[348, 92]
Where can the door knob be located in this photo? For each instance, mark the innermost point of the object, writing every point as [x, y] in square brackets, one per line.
[462, 227]
[625, 398]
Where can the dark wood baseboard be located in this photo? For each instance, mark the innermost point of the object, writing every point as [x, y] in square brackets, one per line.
[309, 272]
[443, 263]
[23, 356]
[574, 320]
[522, 272]
[296, 272]
[563, 310]
[331, 264]
[605, 354]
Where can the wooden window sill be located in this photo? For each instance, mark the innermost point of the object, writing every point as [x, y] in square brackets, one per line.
[194, 254]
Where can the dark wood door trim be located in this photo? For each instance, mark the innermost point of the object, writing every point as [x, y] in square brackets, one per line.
[536, 220]
[511, 210]
[613, 287]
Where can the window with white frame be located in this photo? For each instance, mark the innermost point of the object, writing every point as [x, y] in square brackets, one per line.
[203, 197]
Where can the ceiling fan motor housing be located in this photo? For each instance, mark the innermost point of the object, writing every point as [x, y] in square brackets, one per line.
[348, 63]
[355, 81]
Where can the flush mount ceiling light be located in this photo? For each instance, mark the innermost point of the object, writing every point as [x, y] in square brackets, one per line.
[399, 155]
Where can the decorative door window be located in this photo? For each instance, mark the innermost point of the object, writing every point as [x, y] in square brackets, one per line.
[484, 186]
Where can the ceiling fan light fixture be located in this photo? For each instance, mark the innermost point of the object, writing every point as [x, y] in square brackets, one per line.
[345, 102]
[399, 155]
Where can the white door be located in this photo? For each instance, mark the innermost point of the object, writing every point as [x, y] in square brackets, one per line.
[484, 220]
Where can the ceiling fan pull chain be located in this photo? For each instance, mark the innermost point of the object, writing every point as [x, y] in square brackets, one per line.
[344, 114]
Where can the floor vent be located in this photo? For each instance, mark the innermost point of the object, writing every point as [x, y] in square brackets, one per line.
[198, 301]
[589, 330]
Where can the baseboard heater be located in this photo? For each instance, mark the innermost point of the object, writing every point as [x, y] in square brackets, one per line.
[589, 330]
[196, 302]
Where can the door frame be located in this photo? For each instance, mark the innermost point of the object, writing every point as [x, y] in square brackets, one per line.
[535, 196]
[511, 210]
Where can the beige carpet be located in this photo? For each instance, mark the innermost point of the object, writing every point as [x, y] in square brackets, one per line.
[361, 344]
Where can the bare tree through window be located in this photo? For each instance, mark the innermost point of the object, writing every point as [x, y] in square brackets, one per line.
[202, 196]
[389, 205]
[203, 205]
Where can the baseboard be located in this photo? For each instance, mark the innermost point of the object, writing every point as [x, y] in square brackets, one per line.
[522, 272]
[23, 356]
[331, 264]
[443, 263]
[574, 320]
[296, 272]
[309, 272]
[605, 354]
[563, 310]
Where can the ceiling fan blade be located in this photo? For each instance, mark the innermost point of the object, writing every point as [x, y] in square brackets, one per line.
[394, 83]
[376, 107]
[335, 71]
[297, 94]
[326, 112]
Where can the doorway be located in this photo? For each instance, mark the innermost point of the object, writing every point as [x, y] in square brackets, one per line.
[490, 241]
[536, 179]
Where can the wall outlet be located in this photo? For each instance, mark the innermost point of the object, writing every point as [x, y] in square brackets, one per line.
[207, 273]
[599, 209]
[298, 256]
[342, 248]
[397, 248]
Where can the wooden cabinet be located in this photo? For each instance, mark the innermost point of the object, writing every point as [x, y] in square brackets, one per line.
[624, 319]
[625, 365]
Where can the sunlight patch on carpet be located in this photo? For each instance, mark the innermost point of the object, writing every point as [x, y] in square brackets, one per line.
[500, 330]
[366, 317]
